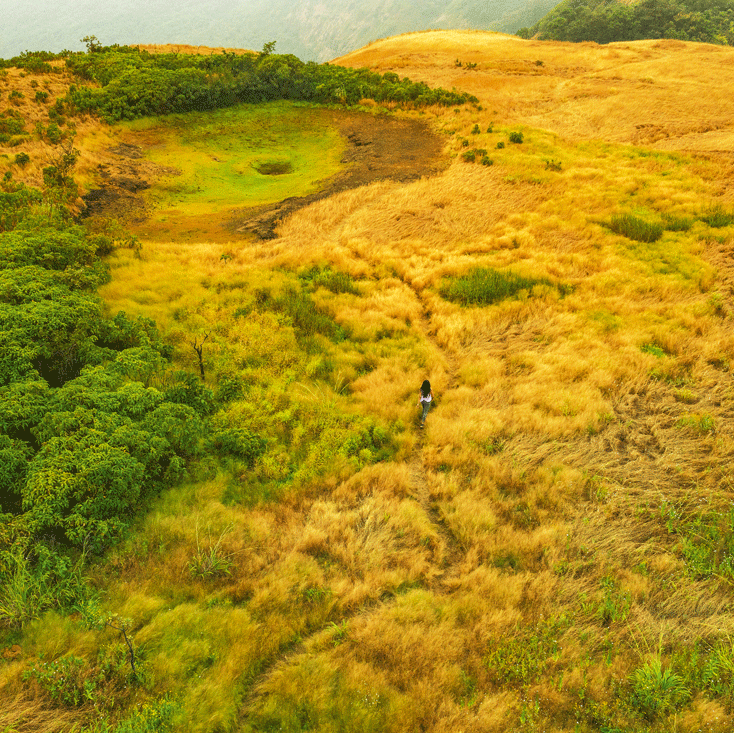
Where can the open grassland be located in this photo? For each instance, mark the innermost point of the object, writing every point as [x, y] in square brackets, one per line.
[554, 552]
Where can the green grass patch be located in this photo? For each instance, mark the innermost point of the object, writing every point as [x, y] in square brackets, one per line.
[717, 217]
[481, 286]
[248, 155]
[524, 657]
[674, 223]
[635, 228]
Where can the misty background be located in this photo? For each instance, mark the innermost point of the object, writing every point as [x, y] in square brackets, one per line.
[318, 30]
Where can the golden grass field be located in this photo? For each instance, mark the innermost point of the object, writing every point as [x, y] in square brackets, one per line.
[519, 560]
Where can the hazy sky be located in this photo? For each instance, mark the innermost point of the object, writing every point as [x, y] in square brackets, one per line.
[311, 29]
[58, 25]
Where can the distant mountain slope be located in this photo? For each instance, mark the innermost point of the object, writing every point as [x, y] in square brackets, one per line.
[311, 29]
[606, 21]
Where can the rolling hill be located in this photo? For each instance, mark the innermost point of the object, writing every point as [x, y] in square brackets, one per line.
[553, 552]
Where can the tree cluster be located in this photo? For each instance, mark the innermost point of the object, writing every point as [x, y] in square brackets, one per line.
[606, 21]
[92, 423]
[130, 83]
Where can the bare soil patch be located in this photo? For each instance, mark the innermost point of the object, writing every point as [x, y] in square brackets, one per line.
[379, 147]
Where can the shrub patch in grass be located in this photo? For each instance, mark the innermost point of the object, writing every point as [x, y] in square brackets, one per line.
[482, 286]
[635, 228]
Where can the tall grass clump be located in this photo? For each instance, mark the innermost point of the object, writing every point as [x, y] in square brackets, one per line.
[656, 691]
[635, 228]
[481, 286]
[333, 280]
[717, 217]
[674, 223]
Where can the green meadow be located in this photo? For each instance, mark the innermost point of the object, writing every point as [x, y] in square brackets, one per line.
[246, 155]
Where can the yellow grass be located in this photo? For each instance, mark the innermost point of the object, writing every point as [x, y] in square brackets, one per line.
[374, 596]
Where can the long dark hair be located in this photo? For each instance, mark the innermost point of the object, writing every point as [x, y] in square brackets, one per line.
[426, 388]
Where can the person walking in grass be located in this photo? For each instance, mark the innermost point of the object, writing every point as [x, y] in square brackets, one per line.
[426, 397]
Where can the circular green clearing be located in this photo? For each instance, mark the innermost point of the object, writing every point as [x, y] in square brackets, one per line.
[246, 156]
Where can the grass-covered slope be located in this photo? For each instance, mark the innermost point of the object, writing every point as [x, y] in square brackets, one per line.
[553, 551]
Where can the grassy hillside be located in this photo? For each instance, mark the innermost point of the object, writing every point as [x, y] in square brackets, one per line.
[553, 551]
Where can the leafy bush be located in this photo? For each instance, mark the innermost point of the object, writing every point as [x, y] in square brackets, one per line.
[469, 156]
[607, 22]
[635, 228]
[239, 442]
[500, 145]
[516, 137]
[485, 286]
[22, 159]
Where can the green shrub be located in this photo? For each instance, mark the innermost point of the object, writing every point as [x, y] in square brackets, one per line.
[516, 137]
[635, 228]
[486, 160]
[475, 130]
[41, 97]
[240, 443]
[54, 133]
[22, 159]
[485, 286]
[500, 145]
[469, 156]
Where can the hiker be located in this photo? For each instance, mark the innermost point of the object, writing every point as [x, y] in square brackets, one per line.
[426, 397]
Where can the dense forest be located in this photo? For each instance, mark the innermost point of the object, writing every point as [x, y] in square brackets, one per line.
[606, 21]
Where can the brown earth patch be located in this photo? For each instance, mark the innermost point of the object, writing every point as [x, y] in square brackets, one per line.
[379, 147]
[121, 177]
